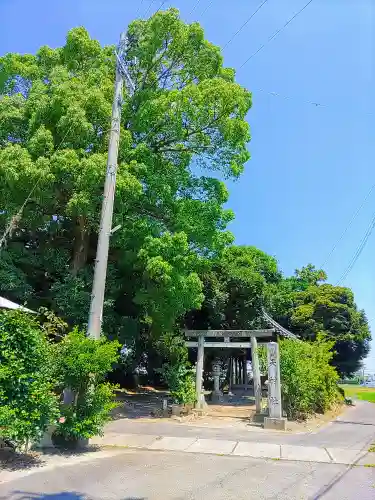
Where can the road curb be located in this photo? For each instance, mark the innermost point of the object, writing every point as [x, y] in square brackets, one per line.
[270, 451]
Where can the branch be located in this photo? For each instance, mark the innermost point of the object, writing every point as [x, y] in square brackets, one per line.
[153, 65]
[197, 149]
[189, 134]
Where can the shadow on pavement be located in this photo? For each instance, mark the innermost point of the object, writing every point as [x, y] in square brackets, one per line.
[65, 495]
[140, 404]
[13, 461]
[352, 423]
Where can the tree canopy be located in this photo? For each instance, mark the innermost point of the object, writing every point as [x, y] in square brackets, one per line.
[184, 125]
[173, 262]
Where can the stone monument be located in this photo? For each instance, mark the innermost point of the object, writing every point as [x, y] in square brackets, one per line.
[275, 418]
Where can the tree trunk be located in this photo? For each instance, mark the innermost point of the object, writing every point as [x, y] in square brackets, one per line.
[81, 245]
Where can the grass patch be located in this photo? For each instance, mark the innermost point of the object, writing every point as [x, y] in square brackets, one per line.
[359, 392]
[369, 396]
[372, 448]
[369, 465]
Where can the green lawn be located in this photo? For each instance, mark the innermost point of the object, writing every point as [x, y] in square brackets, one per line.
[359, 392]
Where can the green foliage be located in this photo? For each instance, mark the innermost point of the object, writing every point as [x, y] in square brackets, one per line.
[332, 310]
[53, 326]
[177, 372]
[307, 306]
[367, 396]
[82, 364]
[180, 381]
[173, 286]
[27, 402]
[183, 127]
[309, 275]
[234, 286]
[309, 382]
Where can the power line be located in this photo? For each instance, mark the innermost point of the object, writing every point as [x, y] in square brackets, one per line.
[353, 218]
[161, 6]
[149, 8]
[195, 6]
[244, 24]
[139, 8]
[207, 7]
[302, 101]
[277, 33]
[358, 251]
[286, 97]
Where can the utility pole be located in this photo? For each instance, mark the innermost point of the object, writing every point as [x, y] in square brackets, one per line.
[105, 230]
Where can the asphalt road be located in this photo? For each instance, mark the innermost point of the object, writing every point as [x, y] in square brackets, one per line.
[147, 475]
[150, 475]
[354, 429]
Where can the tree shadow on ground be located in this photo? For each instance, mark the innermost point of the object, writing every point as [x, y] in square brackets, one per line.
[13, 461]
[64, 495]
[139, 404]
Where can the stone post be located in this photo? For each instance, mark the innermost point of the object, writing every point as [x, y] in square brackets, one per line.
[275, 418]
[199, 373]
[217, 395]
[230, 376]
[256, 375]
[244, 368]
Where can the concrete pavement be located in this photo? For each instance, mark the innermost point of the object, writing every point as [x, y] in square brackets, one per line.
[233, 448]
[153, 475]
[354, 429]
[169, 461]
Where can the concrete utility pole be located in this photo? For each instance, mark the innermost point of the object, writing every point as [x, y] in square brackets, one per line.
[100, 273]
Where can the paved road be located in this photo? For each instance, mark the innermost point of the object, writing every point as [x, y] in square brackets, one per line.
[155, 475]
[147, 475]
[355, 429]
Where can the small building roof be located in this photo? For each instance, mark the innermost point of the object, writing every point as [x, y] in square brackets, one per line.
[7, 304]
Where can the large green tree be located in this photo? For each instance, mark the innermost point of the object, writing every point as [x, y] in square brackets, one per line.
[332, 310]
[234, 289]
[244, 279]
[308, 306]
[183, 127]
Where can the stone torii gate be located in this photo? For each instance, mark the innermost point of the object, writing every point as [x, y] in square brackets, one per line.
[275, 414]
[227, 335]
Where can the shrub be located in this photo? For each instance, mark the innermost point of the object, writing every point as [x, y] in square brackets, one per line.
[27, 402]
[177, 372]
[308, 381]
[82, 364]
[180, 381]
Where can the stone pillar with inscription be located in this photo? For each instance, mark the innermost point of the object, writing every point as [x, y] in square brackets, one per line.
[200, 401]
[275, 418]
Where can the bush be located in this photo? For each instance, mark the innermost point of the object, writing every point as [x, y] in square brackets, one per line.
[82, 364]
[309, 382]
[180, 381]
[27, 402]
[176, 372]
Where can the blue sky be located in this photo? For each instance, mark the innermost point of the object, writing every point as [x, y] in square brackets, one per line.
[311, 165]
